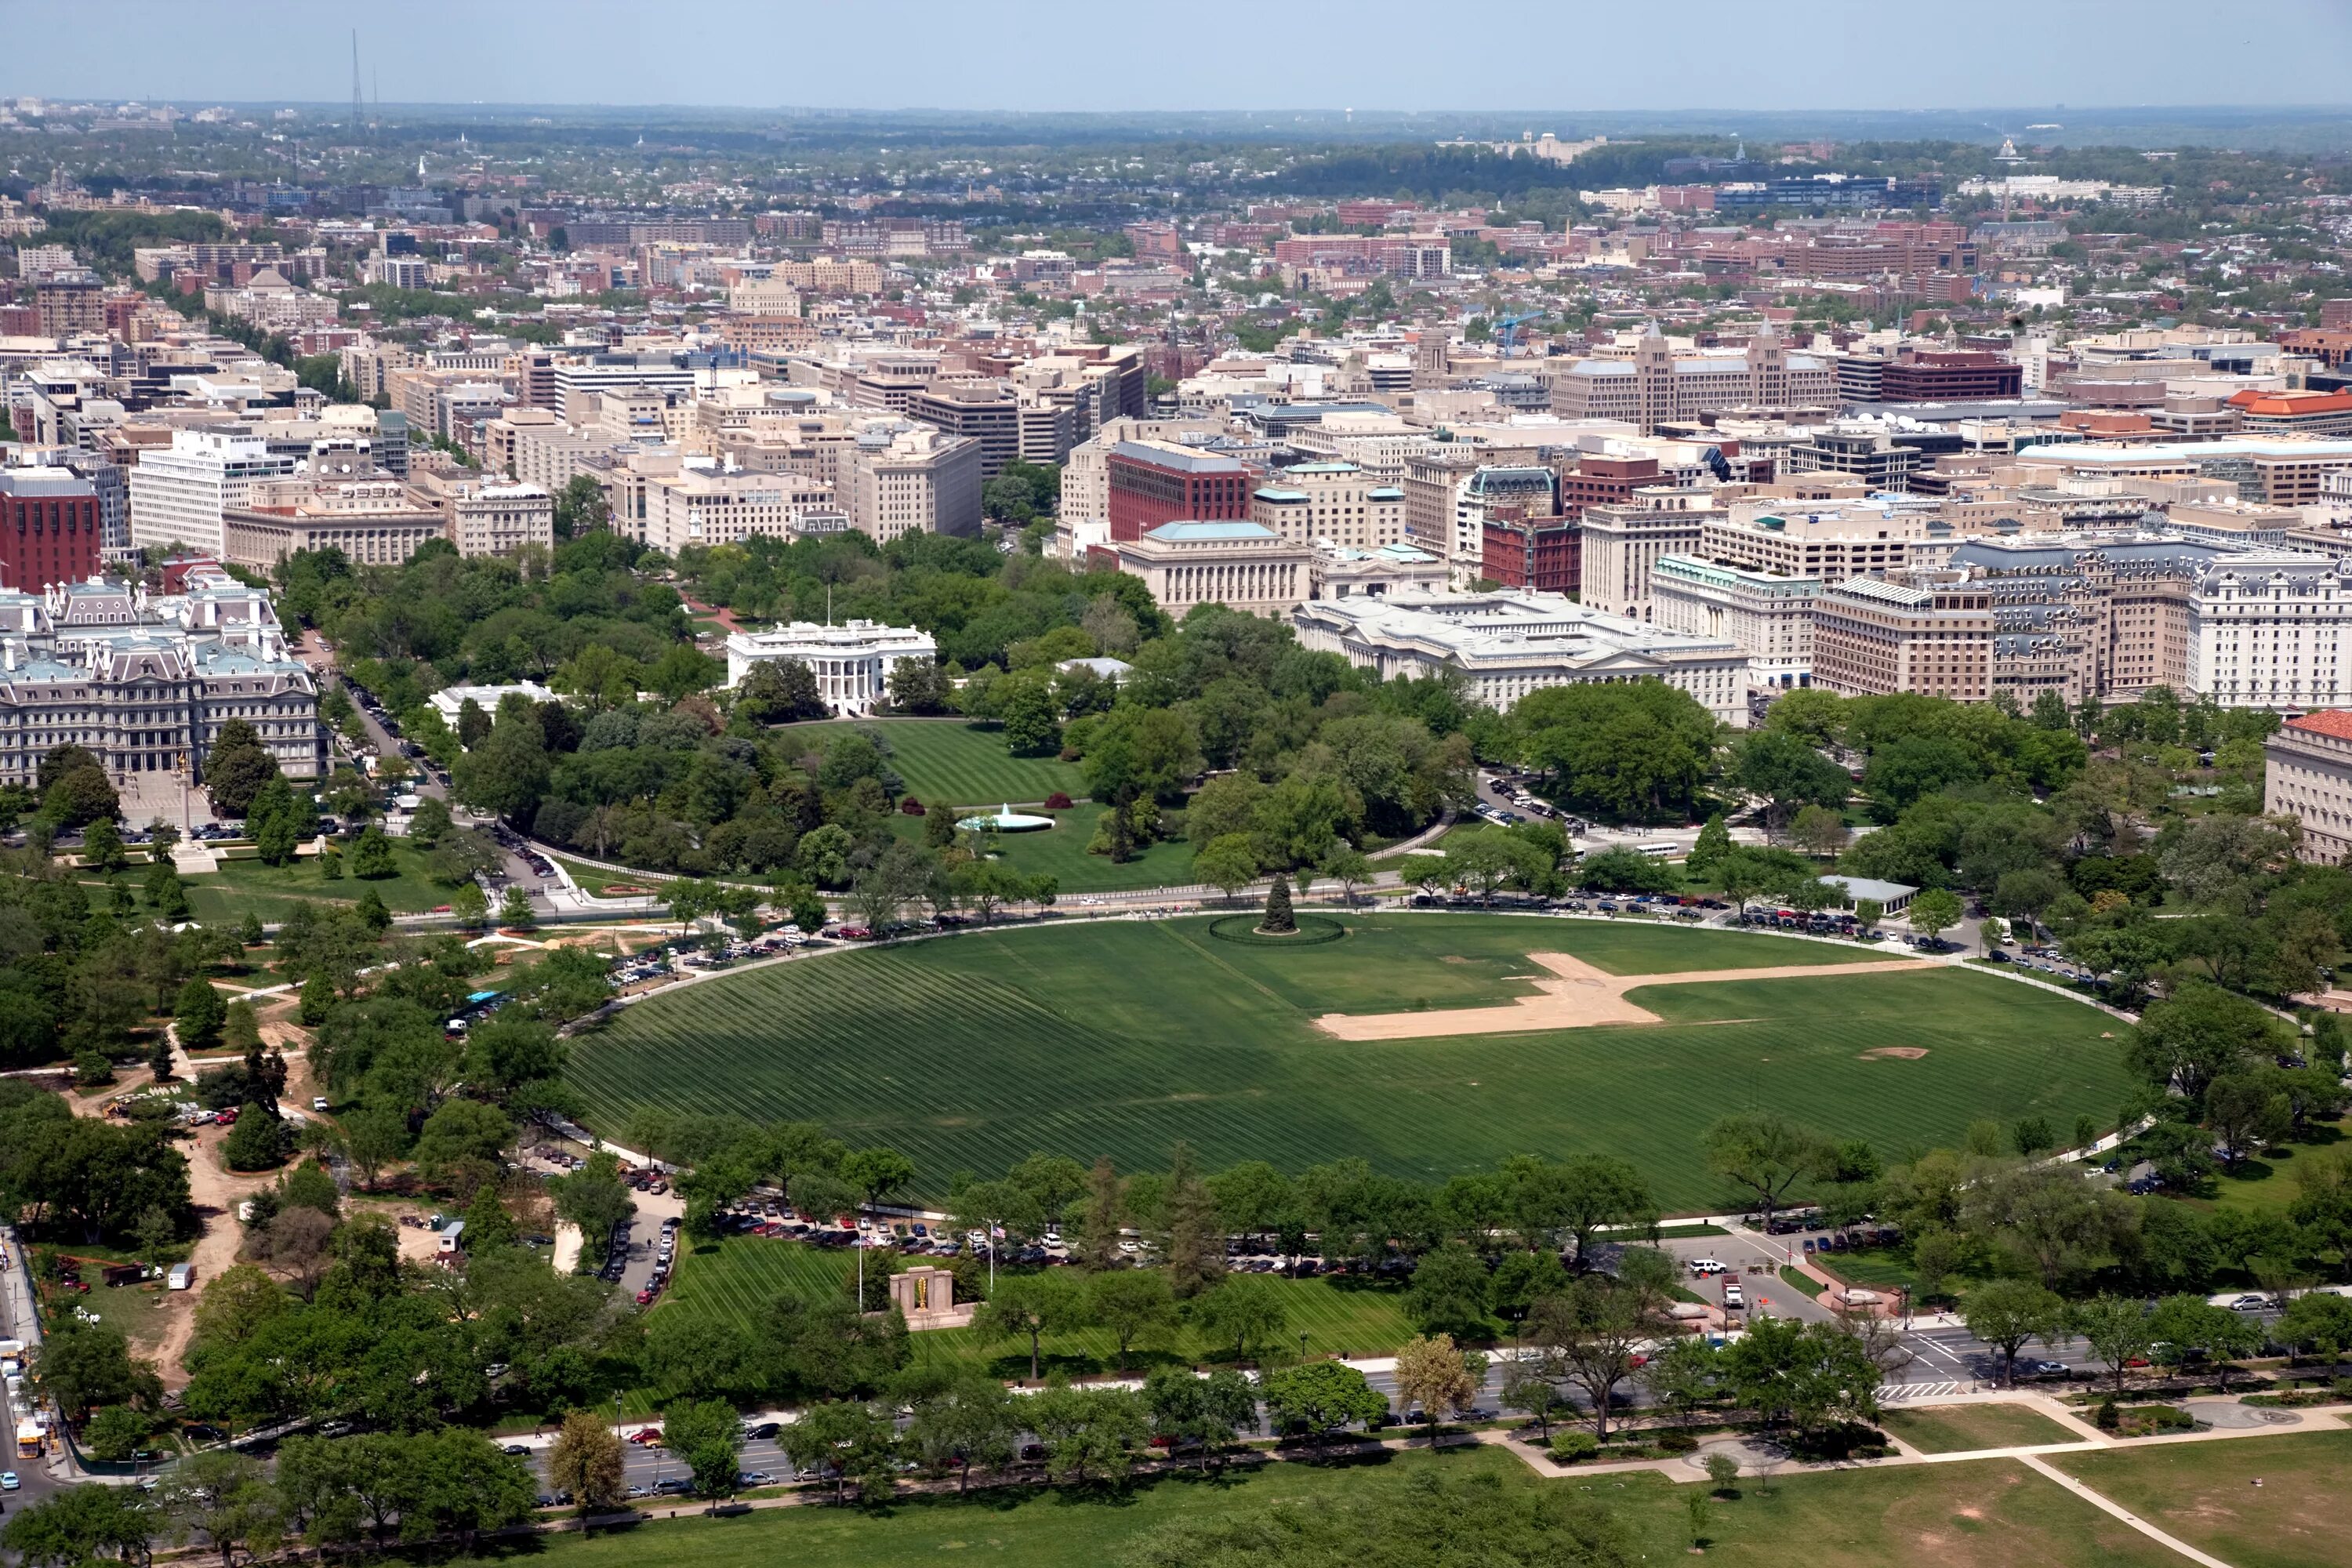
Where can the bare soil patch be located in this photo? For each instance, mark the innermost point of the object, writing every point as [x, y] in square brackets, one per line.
[1900, 1053]
[1576, 997]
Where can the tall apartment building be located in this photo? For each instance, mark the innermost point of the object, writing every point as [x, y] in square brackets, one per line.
[1149, 483]
[1337, 502]
[49, 528]
[179, 494]
[913, 479]
[2307, 774]
[1766, 615]
[70, 302]
[1934, 635]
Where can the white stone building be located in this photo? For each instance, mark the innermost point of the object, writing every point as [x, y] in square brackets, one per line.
[178, 493]
[1509, 644]
[2307, 774]
[1769, 618]
[2268, 630]
[852, 662]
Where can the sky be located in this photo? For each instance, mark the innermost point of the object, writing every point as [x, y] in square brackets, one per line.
[1115, 54]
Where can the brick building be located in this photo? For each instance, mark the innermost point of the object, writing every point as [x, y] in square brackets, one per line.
[49, 530]
[1150, 484]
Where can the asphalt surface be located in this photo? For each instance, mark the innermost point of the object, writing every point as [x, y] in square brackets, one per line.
[34, 1483]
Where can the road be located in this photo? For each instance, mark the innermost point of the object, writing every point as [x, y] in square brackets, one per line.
[34, 1481]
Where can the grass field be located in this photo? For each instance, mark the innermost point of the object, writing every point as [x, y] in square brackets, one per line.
[272, 891]
[2204, 1493]
[958, 763]
[1964, 1429]
[1973, 1514]
[1062, 851]
[738, 1278]
[1121, 1038]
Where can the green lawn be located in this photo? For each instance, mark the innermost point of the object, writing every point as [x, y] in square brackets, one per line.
[738, 1278]
[272, 891]
[1964, 1429]
[1988, 1514]
[2205, 1494]
[2268, 1185]
[963, 764]
[1120, 1038]
[1062, 852]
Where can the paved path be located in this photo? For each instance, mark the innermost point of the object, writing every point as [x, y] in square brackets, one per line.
[2040, 1465]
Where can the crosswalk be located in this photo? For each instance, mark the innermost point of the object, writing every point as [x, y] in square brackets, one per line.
[1893, 1391]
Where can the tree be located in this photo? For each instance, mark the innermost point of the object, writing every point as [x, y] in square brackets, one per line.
[82, 1367]
[515, 912]
[1031, 1306]
[586, 1461]
[1132, 1303]
[2198, 1034]
[236, 768]
[83, 1524]
[1228, 863]
[257, 1141]
[1935, 911]
[2319, 1323]
[706, 1435]
[1821, 831]
[199, 1016]
[1196, 1236]
[2185, 1327]
[1594, 1329]
[1205, 1413]
[1278, 920]
[1532, 1388]
[81, 797]
[968, 1425]
[372, 856]
[1450, 1290]
[2117, 1330]
[1431, 1372]
[849, 1438]
[101, 848]
[1320, 1397]
[2245, 1110]
[225, 1497]
[876, 1172]
[1246, 1310]
[2006, 1313]
[1764, 1152]
[1348, 867]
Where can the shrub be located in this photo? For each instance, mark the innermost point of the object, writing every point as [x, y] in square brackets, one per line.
[1569, 1448]
[2108, 1418]
[1057, 801]
[909, 806]
[1676, 1443]
[91, 1069]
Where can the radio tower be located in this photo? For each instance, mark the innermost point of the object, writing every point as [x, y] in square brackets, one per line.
[358, 124]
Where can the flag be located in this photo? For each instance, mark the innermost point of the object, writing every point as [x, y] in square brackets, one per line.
[996, 1232]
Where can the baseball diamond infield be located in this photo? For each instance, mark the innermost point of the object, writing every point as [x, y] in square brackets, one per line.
[1581, 997]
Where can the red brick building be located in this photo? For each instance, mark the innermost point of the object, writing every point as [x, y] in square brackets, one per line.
[1936, 376]
[1545, 554]
[1604, 481]
[1150, 485]
[49, 529]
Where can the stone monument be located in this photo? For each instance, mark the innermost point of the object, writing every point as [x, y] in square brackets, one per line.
[926, 1296]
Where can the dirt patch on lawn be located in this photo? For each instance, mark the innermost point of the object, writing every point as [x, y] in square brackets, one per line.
[1575, 997]
[1899, 1053]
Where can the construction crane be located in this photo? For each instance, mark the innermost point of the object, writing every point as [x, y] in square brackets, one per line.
[1506, 328]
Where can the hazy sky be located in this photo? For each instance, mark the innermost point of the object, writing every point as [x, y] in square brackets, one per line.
[1110, 55]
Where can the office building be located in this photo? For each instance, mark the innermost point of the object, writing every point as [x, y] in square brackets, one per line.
[1657, 387]
[1768, 617]
[180, 493]
[2307, 774]
[1621, 544]
[370, 517]
[704, 506]
[486, 517]
[1873, 636]
[1507, 644]
[1152, 482]
[1335, 502]
[1007, 428]
[145, 684]
[912, 478]
[1238, 564]
[51, 531]
[2267, 630]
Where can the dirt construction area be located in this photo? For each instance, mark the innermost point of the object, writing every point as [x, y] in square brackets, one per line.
[1579, 996]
